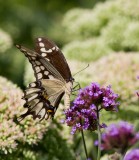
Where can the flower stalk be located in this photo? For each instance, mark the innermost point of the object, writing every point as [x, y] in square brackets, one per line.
[99, 135]
[85, 149]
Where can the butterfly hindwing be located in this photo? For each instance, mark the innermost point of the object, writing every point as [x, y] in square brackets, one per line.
[37, 103]
[55, 90]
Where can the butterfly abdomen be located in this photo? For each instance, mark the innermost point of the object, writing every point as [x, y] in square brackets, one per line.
[68, 89]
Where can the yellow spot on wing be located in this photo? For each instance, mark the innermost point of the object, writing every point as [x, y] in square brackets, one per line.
[45, 96]
[49, 111]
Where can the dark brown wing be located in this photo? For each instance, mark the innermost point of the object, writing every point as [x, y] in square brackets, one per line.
[43, 69]
[53, 54]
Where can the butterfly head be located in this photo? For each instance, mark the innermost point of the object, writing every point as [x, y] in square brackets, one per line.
[70, 80]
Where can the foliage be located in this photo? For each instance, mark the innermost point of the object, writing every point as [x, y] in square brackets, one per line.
[121, 37]
[10, 59]
[56, 145]
[112, 22]
[5, 41]
[29, 74]
[112, 34]
[81, 23]
[87, 51]
[86, 23]
[117, 77]
[131, 37]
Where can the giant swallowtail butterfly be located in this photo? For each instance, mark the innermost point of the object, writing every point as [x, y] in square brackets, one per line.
[53, 80]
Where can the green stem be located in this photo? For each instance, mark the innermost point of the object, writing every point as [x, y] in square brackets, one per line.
[99, 136]
[84, 144]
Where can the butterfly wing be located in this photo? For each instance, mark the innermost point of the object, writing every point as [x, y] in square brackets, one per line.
[50, 51]
[37, 103]
[48, 63]
[43, 69]
[55, 90]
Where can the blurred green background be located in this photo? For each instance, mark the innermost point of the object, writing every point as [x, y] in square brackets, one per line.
[22, 21]
[101, 33]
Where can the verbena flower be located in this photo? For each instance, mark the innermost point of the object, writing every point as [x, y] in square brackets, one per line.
[119, 136]
[81, 119]
[132, 155]
[83, 113]
[94, 95]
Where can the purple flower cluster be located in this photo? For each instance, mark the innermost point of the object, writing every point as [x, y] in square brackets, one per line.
[132, 155]
[119, 136]
[81, 119]
[83, 113]
[94, 95]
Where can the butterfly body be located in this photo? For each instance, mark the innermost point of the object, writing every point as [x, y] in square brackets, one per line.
[53, 80]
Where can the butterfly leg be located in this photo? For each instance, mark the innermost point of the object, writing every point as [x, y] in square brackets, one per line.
[75, 87]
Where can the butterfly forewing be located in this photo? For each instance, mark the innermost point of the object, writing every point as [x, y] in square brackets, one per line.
[43, 69]
[53, 54]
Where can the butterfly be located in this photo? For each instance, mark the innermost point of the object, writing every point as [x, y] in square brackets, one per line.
[53, 80]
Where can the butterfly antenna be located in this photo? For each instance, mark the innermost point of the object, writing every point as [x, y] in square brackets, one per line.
[81, 70]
